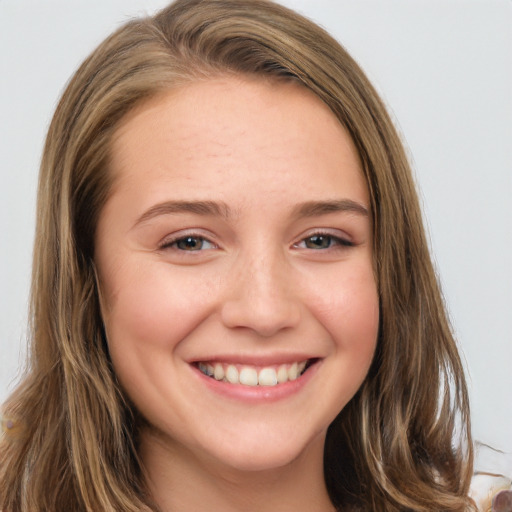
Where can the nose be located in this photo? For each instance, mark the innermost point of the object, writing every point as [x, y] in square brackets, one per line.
[261, 296]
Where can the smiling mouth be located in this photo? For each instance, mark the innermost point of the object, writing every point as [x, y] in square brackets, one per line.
[249, 375]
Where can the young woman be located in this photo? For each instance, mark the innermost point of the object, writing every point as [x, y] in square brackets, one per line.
[233, 303]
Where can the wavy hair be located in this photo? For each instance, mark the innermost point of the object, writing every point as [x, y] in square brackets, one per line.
[401, 444]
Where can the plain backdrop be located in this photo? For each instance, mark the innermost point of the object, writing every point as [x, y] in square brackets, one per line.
[443, 67]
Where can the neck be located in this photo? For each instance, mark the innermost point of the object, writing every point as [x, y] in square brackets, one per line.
[181, 481]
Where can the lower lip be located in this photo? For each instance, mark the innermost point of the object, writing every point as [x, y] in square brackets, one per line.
[258, 393]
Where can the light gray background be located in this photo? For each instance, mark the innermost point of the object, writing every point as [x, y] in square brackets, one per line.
[444, 67]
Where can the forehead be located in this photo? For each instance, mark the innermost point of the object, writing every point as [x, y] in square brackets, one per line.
[215, 132]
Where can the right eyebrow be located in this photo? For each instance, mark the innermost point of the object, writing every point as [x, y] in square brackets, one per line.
[314, 208]
[197, 207]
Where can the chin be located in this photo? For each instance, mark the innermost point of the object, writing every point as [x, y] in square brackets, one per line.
[267, 452]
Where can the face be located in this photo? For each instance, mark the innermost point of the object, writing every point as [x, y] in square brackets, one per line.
[235, 264]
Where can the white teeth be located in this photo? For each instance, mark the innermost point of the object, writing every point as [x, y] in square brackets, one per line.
[249, 377]
[282, 374]
[218, 373]
[292, 372]
[207, 369]
[232, 374]
[267, 377]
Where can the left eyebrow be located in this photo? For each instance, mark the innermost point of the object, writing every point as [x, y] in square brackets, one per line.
[196, 207]
[315, 208]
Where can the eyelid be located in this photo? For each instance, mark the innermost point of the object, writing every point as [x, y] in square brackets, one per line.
[343, 238]
[171, 239]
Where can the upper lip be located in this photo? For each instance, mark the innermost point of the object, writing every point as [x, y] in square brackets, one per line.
[255, 360]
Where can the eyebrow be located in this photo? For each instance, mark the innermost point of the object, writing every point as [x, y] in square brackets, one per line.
[221, 209]
[314, 208]
[205, 208]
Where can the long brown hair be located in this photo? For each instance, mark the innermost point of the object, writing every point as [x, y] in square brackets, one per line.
[73, 441]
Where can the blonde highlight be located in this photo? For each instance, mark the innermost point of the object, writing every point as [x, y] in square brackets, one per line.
[391, 449]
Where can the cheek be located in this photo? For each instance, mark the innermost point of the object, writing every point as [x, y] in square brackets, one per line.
[151, 308]
[349, 310]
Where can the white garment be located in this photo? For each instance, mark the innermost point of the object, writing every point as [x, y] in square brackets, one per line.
[491, 485]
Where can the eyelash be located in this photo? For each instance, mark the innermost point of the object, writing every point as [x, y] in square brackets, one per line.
[173, 242]
[334, 242]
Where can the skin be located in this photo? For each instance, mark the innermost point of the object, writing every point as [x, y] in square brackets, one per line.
[260, 287]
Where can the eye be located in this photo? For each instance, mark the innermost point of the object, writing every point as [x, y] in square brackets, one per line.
[323, 241]
[189, 243]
